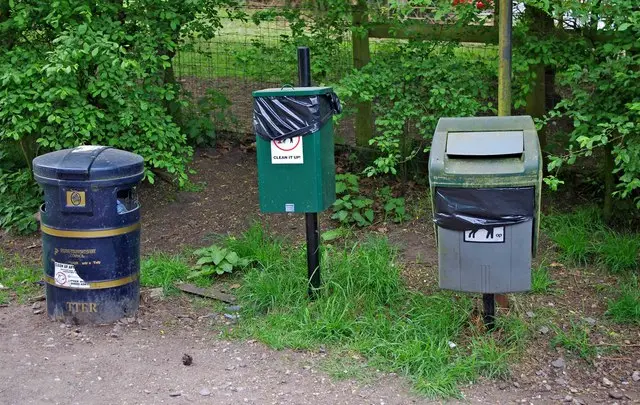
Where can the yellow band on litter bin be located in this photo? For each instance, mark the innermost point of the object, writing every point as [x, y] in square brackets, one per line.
[97, 285]
[102, 233]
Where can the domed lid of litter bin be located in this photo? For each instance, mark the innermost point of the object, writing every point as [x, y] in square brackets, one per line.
[88, 162]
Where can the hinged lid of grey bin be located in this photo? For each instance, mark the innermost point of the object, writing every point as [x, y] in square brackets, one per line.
[490, 143]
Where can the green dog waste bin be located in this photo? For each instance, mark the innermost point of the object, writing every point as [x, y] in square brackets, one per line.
[295, 150]
[485, 175]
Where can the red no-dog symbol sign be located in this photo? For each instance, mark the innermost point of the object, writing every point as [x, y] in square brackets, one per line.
[287, 151]
[290, 144]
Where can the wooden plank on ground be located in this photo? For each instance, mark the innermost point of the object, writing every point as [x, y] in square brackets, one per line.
[207, 292]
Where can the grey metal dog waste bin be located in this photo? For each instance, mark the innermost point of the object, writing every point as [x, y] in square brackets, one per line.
[485, 176]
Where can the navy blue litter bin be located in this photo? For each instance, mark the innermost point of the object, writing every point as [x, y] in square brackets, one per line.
[90, 224]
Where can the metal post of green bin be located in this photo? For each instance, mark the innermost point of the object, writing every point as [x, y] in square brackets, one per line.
[311, 218]
[295, 155]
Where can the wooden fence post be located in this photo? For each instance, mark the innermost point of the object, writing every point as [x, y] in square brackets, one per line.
[541, 24]
[362, 56]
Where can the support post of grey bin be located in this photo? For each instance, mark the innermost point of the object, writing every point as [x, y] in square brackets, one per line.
[489, 310]
[311, 218]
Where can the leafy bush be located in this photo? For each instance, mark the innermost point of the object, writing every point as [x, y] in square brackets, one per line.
[418, 82]
[209, 113]
[20, 199]
[76, 74]
[350, 207]
[601, 101]
[216, 260]
[394, 207]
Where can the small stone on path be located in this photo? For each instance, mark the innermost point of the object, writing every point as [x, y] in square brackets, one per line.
[635, 376]
[568, 398]
[607, 382]
[156, 293]
[205, 392]
[561, 381]
[36, 305]
[615, 395]
[175, 394]
[530, 314]
[543, 330]
[559, 363]
[590, 320]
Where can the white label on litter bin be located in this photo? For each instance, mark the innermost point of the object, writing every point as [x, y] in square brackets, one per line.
[66, 276]
[485, 235]
[287, 151]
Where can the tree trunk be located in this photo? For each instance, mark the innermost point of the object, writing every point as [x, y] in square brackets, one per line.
[541, 24]
[609, 183]
[173, 106]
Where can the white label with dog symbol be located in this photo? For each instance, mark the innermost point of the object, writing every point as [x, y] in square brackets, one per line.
[491, 234]
[65, 276]
[287, 151]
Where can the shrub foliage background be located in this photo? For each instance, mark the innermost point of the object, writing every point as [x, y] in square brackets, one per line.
[76, 72]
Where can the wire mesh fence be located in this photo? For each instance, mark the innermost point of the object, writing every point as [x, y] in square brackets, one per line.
[247, 56]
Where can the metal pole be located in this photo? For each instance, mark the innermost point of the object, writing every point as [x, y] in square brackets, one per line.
[504, 71]
[489, 308]
[311, 218]
[504, 109]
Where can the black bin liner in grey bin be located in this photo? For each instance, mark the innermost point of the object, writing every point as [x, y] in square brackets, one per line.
[276, 118]
[461, 209]
[495, 260]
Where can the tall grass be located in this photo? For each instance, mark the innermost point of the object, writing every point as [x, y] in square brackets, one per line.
[364, 307]
[583, 238]
[626, 307]
[19, 281]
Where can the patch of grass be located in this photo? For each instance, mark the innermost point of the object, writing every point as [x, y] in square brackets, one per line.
[576, 340]
[364, 308]
[583, 238]
[347, 366]
[618, 252]
[541, 281]
[573, 233]
[19, 280]
[163, 270]
[626, 307]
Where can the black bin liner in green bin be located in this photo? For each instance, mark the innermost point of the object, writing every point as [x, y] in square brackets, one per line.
[462, 209]
[277, 118]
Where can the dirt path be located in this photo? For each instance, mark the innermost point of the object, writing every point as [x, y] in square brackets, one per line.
[45, 362]
[140, 362]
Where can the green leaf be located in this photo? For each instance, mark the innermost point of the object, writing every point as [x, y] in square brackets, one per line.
[232, 258]
[205, 272]
[226, 267]
[218, 255]
[204, 260]
[332, 234]
[369, 215]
